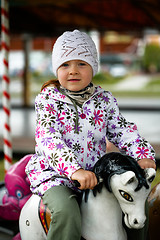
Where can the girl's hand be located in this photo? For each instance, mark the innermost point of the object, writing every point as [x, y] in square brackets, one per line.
[87, 179]
[147, 163]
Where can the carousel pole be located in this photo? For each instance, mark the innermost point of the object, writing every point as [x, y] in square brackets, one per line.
[5, 85]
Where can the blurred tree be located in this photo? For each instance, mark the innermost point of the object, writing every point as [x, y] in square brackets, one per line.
[151, 58]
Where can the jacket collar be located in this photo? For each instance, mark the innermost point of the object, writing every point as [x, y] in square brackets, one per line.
[54, 93]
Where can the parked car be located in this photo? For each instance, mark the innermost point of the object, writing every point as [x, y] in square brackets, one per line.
[118, 70]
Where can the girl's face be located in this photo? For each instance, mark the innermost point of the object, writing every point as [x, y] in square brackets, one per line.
[75, 75]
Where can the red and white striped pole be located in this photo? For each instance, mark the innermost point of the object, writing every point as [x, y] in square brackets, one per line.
[5, 84]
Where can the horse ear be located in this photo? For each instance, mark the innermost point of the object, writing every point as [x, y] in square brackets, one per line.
[98, 168]
[150, 174]
[128, 177]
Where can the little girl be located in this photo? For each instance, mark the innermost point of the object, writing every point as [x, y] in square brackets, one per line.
[74, 118]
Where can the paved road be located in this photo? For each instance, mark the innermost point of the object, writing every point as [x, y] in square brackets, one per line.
[133, 83]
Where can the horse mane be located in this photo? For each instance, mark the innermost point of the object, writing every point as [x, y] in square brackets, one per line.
[116, 163]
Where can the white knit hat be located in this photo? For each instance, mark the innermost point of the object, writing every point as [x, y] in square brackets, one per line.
[74, 45]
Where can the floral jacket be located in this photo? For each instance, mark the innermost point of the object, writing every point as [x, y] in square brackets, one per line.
[60, 150]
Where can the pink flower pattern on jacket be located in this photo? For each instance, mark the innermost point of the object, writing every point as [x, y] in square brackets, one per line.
[60, 150]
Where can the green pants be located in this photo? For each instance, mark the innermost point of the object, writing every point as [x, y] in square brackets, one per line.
[65, 214]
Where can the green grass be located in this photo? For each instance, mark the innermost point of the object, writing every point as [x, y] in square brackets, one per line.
[2, 172]
[155, 81]
[105, 78]
[157, 178]
[153, 86]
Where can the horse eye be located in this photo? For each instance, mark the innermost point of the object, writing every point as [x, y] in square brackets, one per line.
[126, 196]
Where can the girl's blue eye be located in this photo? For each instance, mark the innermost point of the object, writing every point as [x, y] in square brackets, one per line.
[82, 64]
[65, 65]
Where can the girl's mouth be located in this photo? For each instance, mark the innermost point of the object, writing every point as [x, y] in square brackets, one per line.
[74, 80]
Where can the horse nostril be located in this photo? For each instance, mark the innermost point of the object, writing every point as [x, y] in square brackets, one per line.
[135, 221]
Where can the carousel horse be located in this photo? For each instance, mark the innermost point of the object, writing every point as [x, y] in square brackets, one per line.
[122, 190]
[17, 190]
[14, 193]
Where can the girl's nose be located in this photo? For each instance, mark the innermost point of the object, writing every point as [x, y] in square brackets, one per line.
[73, 70]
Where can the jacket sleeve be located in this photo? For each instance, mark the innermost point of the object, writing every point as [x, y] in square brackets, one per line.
[124, 134]
[49, 141]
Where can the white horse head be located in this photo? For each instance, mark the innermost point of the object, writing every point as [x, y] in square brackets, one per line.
[132, 195]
